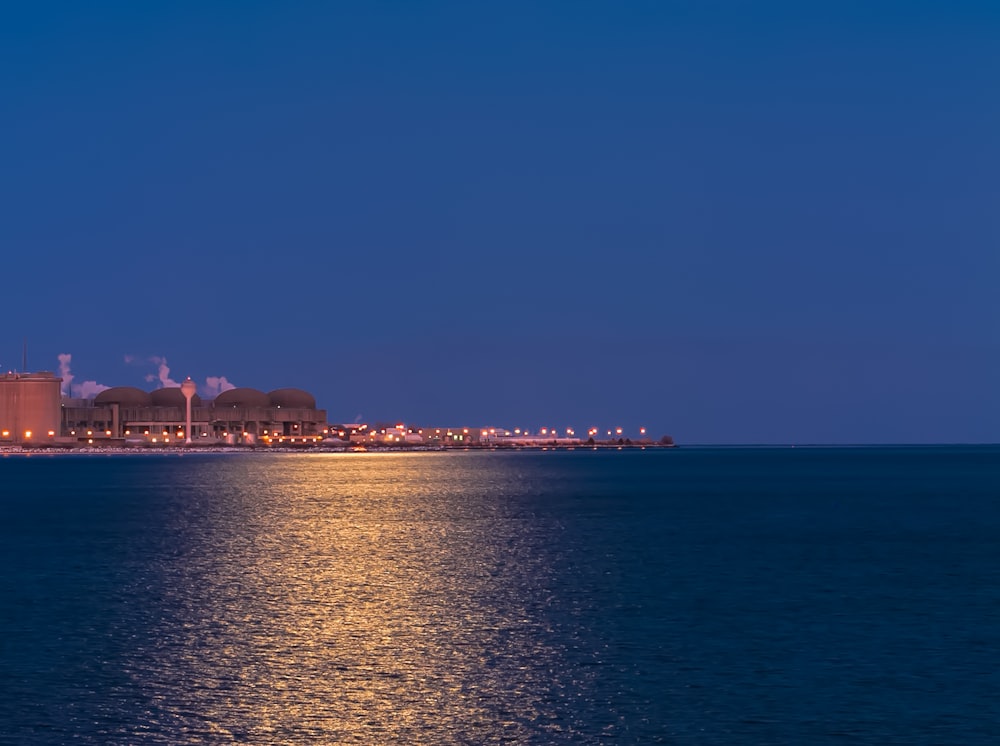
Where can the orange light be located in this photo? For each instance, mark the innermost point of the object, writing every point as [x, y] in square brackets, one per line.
[107, 432]
[52, 433]
[27, 433]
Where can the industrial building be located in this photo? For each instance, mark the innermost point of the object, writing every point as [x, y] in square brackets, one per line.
[29, 407]
[32, 411]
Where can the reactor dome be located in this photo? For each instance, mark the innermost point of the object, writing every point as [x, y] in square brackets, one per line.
[172, 397]
[124, 396]
[242, 398]
[292, 398]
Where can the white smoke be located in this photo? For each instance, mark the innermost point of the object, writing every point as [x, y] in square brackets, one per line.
[215, 385]
[88, 389]
[85, 390]
[162, 373]
[64, 372]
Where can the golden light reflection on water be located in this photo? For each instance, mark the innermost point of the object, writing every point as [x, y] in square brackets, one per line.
[360, 599]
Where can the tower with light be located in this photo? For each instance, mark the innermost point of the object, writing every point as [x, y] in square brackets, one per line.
[189, 388]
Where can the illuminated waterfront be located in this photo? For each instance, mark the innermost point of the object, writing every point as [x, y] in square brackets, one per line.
[679, 596]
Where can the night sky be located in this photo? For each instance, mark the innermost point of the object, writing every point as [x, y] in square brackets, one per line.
[742, 222]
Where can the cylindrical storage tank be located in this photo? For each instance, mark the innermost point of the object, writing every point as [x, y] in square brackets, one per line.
[30, 410]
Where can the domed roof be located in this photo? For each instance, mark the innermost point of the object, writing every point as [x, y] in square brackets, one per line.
[173, 397]
[296, 398]
[127, 396]
[242, 397]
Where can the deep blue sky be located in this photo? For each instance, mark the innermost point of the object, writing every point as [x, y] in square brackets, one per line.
[733, 222]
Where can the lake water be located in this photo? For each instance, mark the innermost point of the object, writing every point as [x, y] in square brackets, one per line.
[690, 596]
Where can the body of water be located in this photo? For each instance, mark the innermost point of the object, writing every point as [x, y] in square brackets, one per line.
[690, 596]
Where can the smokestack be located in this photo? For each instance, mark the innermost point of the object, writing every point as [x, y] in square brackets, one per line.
[188, 388]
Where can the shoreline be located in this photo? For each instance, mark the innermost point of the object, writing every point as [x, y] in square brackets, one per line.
[48, 450]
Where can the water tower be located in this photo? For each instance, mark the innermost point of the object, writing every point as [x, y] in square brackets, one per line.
[189, 388]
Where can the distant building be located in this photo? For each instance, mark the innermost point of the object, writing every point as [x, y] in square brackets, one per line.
[237, 416]
[29, 407]
[32, 412]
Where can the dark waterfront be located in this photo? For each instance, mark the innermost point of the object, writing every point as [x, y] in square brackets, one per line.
[695, 596]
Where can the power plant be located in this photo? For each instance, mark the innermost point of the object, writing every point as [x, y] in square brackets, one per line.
[34, 412]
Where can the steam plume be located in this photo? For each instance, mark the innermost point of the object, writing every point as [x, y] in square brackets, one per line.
[162, 373]
[215, 385]
[85, 390]
[88, 389]
[64, 372]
